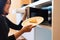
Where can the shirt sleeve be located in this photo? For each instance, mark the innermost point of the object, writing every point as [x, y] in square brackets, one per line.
[14, 26]
[12, 37]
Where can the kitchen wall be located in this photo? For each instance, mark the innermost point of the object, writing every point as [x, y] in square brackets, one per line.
[14, 5]
[12, 13]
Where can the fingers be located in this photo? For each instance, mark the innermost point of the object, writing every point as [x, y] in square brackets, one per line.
[30, 26]
[33, 26]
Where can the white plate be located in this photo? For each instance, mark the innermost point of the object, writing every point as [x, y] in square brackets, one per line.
[27, 21]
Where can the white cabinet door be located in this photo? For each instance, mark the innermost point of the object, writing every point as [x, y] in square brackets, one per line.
[42, 34]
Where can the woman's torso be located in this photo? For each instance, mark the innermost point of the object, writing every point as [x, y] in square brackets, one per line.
[4, 29]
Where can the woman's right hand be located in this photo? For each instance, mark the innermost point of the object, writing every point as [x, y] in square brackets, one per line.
[23, 30]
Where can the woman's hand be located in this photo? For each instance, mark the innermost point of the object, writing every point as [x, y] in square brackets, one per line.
[28, 28]
[26, 13]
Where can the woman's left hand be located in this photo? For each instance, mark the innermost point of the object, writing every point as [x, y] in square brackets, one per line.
[24, 15]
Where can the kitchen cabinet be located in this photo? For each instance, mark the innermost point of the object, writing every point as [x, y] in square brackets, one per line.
[42, 33]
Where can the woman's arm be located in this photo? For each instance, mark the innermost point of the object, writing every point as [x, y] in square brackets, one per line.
[20, 32]
[12, 25]
[23, 30]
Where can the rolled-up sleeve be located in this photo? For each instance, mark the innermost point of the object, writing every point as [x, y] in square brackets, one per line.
[12, 37]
